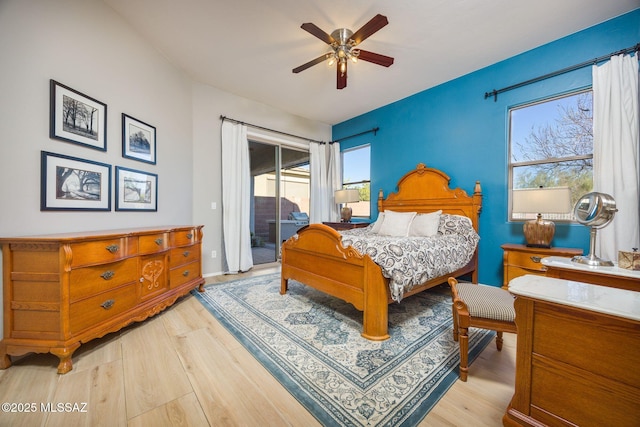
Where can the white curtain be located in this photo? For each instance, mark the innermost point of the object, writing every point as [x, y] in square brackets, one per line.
[334, 179]
[236, 197]
[325, 172]
[616, 161]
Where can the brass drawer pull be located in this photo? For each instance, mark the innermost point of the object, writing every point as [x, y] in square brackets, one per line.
[189, 236]
[185, 253]
[107, 304]
[113, 248]
[159, 242]
[535, 259]
[108, 274]
[185, 273]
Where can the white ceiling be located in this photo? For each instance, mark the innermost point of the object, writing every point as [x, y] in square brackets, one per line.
[249, 47]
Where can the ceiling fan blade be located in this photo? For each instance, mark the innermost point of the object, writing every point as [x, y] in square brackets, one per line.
[342, 77]
[310, 63]
[314, 30]
[375, 58]
[376, 23]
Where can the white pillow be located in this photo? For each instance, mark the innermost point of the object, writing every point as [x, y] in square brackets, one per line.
[425, 225]
[396, 223]
[378, 223]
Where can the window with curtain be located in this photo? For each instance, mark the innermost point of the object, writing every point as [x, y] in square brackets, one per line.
[551, 145]
[356, 167]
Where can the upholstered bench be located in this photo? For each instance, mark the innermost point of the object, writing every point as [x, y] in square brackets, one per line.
[479, 306]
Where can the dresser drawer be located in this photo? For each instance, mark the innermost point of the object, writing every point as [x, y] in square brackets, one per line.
[526, 260]
[184, 255]
[100, 308]
[184, 274]
[88, 281]
[101, 251]
[152, 243]
[185, 237]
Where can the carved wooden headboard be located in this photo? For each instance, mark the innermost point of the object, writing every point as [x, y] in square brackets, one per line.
[425, 190]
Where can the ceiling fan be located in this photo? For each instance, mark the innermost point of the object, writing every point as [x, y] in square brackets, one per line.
[343, 42]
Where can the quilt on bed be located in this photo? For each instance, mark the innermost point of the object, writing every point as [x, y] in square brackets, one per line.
[411, 261]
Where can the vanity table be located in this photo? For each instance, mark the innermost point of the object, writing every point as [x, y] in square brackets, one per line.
[577, 352]
[616, 277]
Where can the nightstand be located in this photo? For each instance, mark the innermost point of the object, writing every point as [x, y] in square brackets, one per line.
[521, 259]
[346, 225]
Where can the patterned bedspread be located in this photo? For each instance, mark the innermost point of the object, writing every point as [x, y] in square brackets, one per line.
[411, 261]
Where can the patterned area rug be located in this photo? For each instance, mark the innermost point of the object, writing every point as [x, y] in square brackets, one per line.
[311, 343]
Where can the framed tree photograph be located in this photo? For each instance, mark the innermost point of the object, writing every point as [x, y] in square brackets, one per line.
[77, 118]
[70, 183]
[138, 140]
[136, 190]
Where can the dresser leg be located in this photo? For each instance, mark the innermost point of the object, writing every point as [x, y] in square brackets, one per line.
[5, 360]
[64, 354]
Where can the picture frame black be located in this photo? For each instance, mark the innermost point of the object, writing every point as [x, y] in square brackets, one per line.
[77, 118]
[73, 184]
[138, 140]
[136, 190]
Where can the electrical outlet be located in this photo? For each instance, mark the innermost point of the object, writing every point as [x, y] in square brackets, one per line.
[214, 205]
[214, 254]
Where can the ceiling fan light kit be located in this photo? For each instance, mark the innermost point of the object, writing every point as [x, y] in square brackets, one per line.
[343, 42]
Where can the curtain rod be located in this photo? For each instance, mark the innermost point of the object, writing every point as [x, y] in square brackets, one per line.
[594, 61]
[223, 118]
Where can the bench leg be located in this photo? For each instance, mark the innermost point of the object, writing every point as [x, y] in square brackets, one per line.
[499, 340]
[464, 353]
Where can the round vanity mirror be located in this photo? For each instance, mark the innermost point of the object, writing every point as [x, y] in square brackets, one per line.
[594, 210]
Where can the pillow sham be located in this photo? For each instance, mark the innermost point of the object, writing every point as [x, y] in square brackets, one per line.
[378, 223]
[425, 225]
[396, 224]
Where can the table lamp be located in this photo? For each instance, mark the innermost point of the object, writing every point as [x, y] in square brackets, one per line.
[553, 200]
[346, 196]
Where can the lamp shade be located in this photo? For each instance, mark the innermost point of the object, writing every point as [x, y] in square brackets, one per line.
[542, 200]
[347, 196]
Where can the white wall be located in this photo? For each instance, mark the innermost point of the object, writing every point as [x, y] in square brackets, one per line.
[85, 45]
[208, 105]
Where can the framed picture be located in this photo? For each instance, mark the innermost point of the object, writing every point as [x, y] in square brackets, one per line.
[69, 183]
[136, 190]
[138, 140]
[77, 118]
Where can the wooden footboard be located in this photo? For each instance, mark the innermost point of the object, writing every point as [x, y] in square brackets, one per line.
[317, 258]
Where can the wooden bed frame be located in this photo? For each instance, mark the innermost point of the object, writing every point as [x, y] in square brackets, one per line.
[317, 258]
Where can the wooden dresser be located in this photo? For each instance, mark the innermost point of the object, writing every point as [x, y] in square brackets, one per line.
[577, 351]
[66, 289]
[519, 260]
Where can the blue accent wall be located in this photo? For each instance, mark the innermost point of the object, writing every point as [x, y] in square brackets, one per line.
[452, 127]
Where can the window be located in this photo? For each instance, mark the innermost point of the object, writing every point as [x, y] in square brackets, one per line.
[551, 145]
[356, 165]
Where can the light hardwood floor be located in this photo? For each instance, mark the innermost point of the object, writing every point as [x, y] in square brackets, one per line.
[182, 368]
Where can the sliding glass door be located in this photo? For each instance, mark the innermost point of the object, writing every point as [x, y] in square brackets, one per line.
[280, 197]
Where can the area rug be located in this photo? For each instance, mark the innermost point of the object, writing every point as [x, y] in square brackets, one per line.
[311, 343]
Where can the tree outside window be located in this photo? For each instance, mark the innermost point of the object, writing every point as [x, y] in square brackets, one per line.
[551, 145]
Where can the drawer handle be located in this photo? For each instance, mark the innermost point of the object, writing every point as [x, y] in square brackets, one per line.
[107, 304]
[535, 259]
[108, 274]
[189, 236]
[185, 273]
[159, 242]
[185, 253]
[113, 248]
